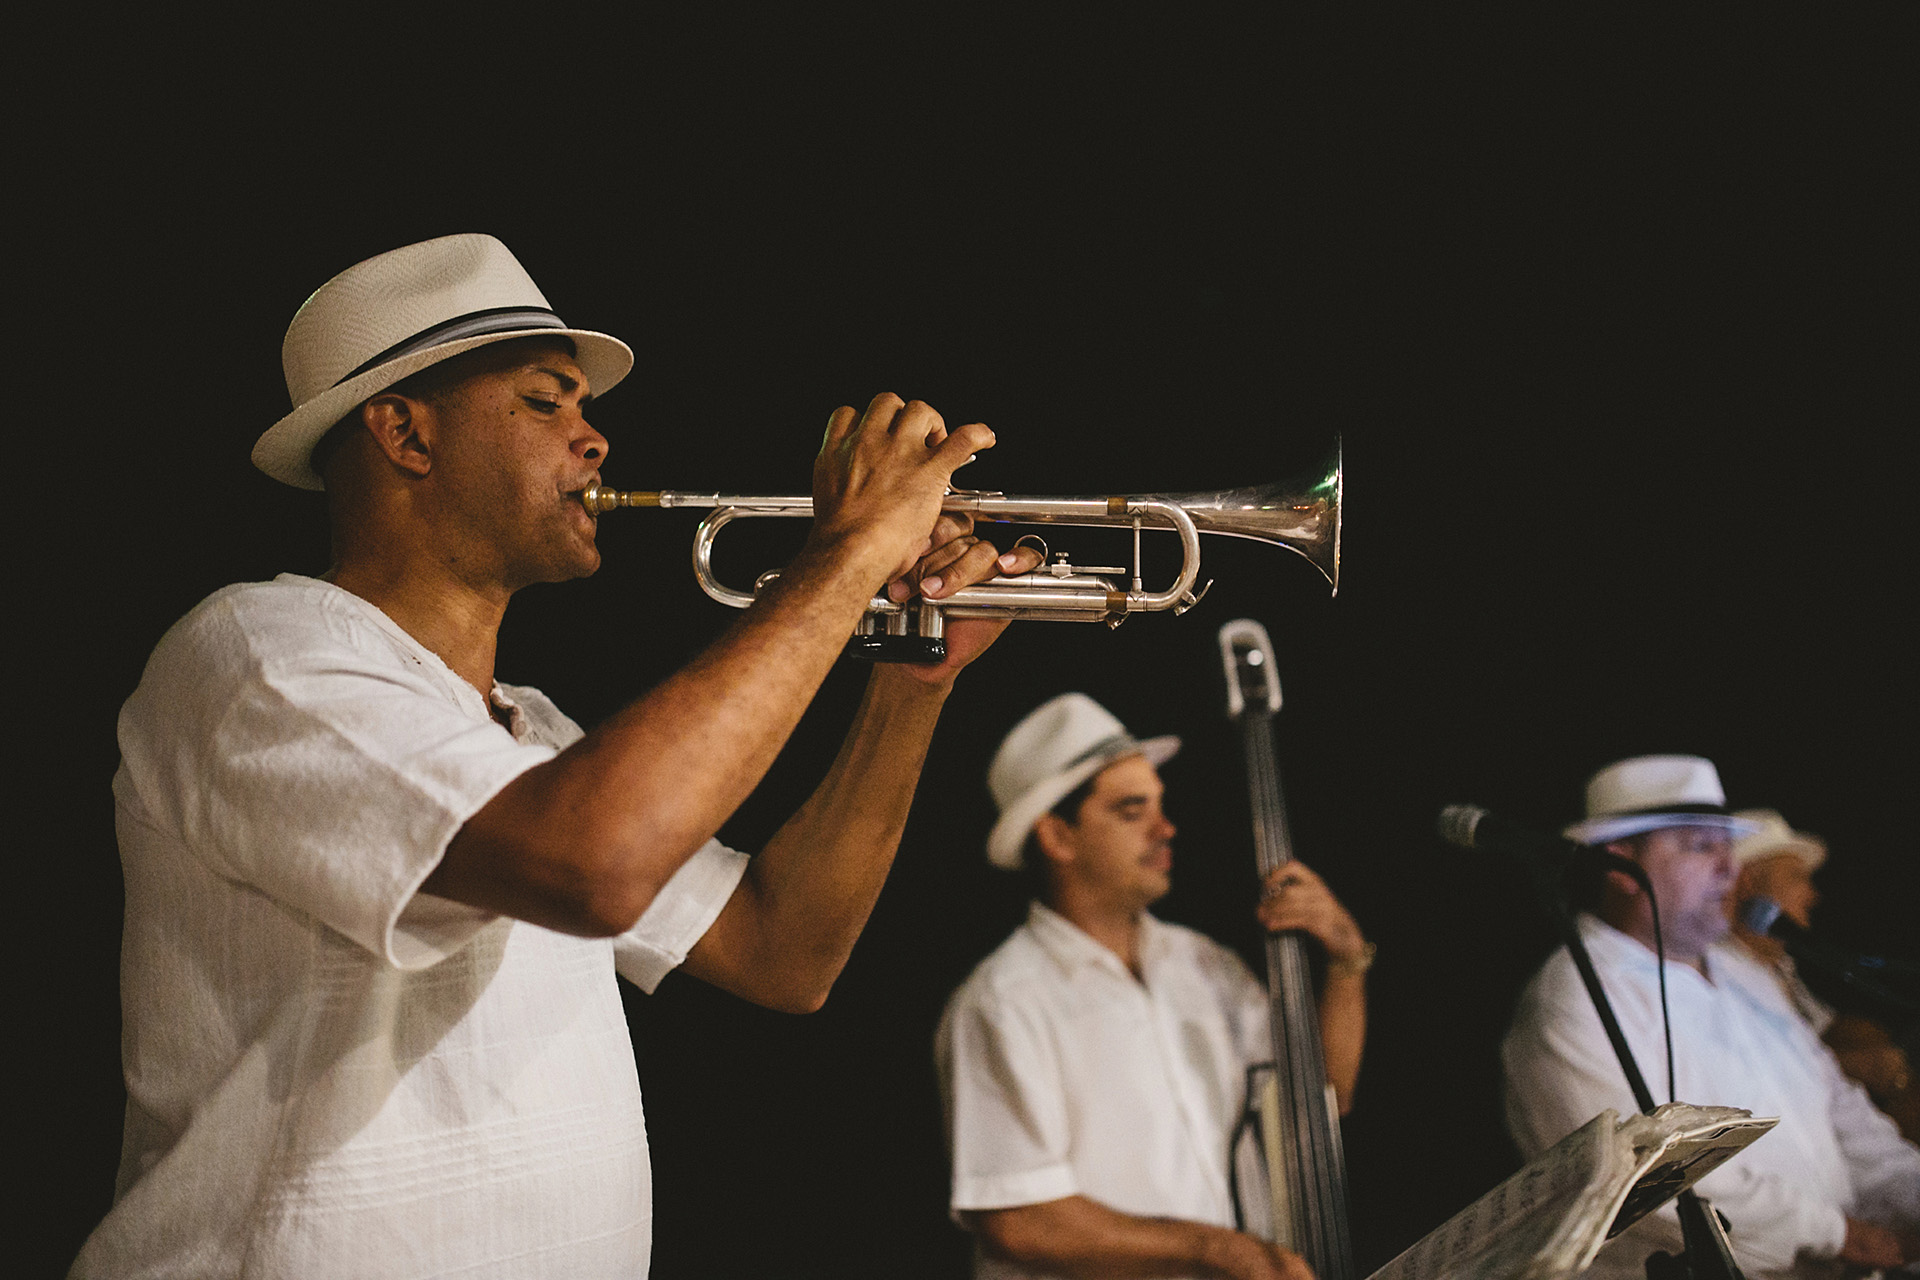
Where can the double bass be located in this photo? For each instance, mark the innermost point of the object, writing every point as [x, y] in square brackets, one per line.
[1298, 1118]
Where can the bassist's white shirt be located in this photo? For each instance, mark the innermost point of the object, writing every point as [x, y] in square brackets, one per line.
[1064, 1075]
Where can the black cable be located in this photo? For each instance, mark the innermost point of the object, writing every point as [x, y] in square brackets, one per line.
[1660, 959]
[1248, 1115]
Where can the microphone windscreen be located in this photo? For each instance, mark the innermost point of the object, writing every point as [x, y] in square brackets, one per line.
[1458, 824]
[1759, 914]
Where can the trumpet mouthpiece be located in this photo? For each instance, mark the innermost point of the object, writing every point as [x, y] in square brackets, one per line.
[597, 498]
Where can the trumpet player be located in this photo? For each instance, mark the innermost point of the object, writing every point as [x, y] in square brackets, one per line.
[377, 899]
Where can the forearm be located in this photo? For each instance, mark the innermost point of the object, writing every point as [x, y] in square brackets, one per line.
[1081, 1237]
[1343, 1032]
[583, 842]
[791, 925]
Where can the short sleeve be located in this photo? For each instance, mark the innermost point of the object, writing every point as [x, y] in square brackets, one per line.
[683, 910]
[294, 746]
[1007, 1117]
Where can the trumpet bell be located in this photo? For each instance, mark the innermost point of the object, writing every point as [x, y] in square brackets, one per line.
[1302, 515]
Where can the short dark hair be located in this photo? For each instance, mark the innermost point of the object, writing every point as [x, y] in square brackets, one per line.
[431, 383]
[1034, 867]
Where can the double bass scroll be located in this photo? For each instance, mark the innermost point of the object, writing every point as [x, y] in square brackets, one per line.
[1309, 1187]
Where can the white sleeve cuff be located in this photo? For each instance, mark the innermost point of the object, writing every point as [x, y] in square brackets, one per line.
[1011, 1190]
[683, 910]
[431, 928]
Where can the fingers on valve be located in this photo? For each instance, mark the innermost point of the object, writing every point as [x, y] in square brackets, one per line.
[974, 563]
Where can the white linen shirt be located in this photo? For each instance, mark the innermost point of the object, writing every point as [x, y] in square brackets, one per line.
[1064, 1075]
[1737, 1042]
[328, 1072]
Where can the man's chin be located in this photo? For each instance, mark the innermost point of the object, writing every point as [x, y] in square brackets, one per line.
[566, 569]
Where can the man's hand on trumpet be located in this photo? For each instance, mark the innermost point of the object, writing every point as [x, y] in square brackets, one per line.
[878, 484]
[959, 559]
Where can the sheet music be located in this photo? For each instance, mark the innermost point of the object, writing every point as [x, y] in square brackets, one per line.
[1548, 1220]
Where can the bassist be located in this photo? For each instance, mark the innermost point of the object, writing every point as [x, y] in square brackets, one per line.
[1093, 1065]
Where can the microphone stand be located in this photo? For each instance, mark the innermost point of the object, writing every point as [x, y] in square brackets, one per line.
[1704, 1253]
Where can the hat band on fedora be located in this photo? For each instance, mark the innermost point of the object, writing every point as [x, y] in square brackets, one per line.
[470, 325]
[1118, 744]
[1666, 808]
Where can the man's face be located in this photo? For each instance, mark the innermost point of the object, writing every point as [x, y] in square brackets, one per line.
[1121, 848]
[511, 455]
[1692, 873]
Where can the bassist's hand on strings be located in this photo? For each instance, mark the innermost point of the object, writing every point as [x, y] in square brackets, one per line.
[1294, 898]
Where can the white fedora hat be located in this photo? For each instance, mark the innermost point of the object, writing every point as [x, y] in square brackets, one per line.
[1061, 743]
[1647, 793]
[390, 316]
[1771, 835]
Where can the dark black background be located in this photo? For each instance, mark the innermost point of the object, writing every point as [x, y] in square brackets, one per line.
[1612, 310]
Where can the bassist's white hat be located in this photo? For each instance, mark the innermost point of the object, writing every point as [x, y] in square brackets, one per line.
[1058, 746]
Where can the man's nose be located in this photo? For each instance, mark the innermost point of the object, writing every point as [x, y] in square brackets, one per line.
[590, 445]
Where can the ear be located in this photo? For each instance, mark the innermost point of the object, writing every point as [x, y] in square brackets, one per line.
[1054, 837]
[396, 423]
[1619, 881]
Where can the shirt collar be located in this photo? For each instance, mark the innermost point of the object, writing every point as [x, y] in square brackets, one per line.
[1071, 947]
[1622, 949]
[463, 693]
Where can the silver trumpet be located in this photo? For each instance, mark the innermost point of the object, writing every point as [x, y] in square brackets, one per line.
[1302, 515]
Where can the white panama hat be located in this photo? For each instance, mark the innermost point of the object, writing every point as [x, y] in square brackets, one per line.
[1059, 745]
[1771, 835]
[390, 316]
[1647, 793]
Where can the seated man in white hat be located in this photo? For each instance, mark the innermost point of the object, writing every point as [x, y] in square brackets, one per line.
[1094, 1066]
[376, 899]
[1833, 1183]
[1773, 861]
[1777, 863]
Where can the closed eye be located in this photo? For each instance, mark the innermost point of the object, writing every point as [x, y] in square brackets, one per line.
[544, 406]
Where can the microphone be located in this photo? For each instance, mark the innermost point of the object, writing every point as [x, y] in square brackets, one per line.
[1763, 916]
[1468, 826]
[1544, 857]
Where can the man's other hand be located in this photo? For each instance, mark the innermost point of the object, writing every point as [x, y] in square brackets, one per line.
[1870, 1245]
[1296, 898]
[959, 559]
[1255, 1259]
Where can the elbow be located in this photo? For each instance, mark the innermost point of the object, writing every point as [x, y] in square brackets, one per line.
[1019, 1235]
[606, 911]
[610, 889]
[809, 1000]
[787, 989]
